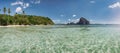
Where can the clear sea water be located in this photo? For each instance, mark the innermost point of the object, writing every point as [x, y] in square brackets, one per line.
[60, 39]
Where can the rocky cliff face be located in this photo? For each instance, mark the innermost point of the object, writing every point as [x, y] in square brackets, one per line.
[82, 21]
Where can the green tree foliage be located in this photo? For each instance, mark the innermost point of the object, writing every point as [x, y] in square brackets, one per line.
[18, 19]
[4, 10]
[9, 11]
[23, 19]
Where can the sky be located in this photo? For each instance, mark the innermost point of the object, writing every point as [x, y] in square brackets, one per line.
[64, 11]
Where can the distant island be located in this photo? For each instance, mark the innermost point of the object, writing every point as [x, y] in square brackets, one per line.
[82, 21]
[22, 19]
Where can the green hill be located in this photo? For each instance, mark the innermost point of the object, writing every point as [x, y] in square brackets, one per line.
[20, 19]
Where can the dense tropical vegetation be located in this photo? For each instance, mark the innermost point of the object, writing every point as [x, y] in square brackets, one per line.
[22, 19]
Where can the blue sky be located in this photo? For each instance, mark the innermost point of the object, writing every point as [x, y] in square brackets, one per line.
[64, 11]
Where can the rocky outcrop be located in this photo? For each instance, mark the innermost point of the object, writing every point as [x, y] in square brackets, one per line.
[82, 21]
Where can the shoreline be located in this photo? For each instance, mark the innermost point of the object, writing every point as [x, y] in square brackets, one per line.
[21, 25]
[15, 26]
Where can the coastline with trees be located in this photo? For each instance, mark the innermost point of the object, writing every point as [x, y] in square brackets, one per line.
[22, 19]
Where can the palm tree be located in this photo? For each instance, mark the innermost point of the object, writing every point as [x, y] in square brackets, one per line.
[16, 13]
[4, 10]
[9, 16]
[9, 11]
[23, 12]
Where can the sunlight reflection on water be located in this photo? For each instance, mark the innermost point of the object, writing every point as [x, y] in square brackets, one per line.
[60, 39]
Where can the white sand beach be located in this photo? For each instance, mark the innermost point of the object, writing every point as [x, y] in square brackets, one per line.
[15, 26]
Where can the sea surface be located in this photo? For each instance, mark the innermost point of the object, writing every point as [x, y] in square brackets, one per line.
[60, 39]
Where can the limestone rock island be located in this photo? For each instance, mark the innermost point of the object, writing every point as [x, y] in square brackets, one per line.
[82, 21]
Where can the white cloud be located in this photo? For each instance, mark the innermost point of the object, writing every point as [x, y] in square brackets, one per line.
[35, 1]
[18, 10]
[74, 20]
[21, 3]
[92, 1]
[69, 19]
[115, 5]
[74, 15]
[62, 15]
[26, 5]
[57, 21]
[17, 3]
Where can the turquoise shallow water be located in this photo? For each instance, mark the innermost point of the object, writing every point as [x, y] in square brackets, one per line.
[60, 39]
